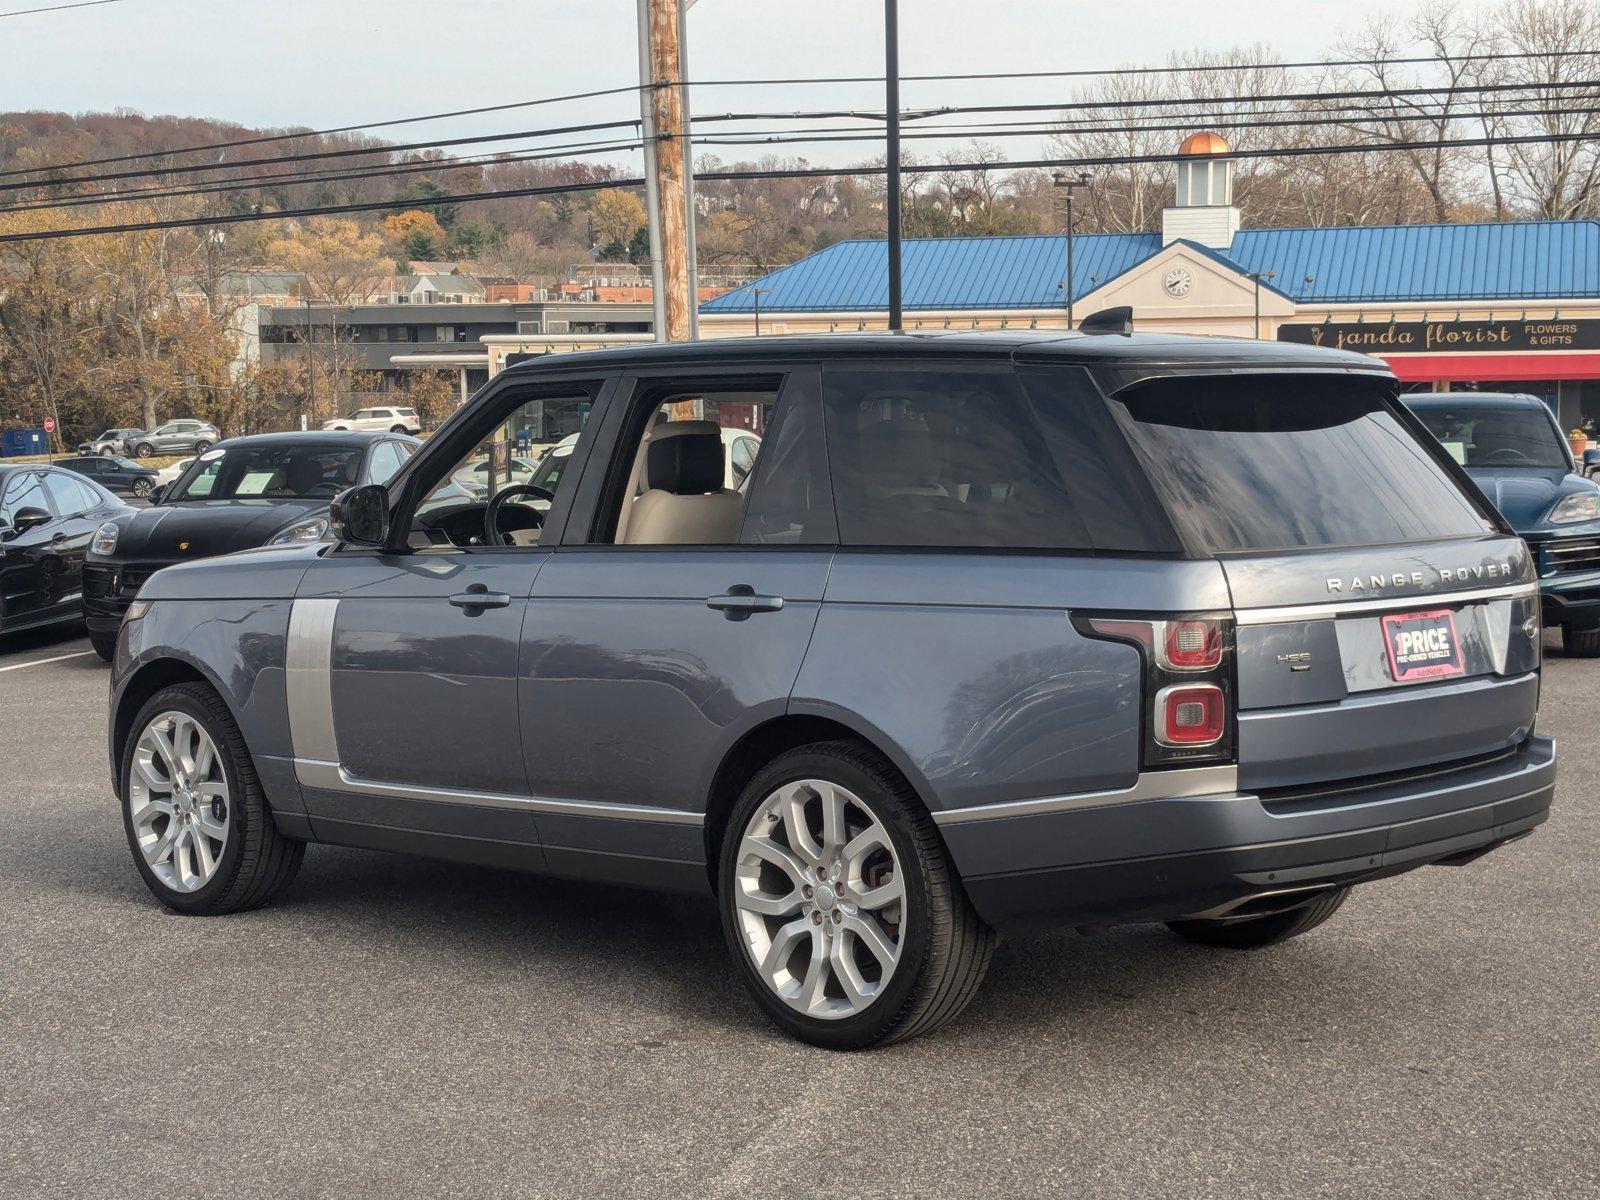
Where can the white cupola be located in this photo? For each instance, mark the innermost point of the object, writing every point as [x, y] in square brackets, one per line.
[1203, 210]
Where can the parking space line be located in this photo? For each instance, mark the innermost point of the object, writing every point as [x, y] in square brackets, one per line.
[39, 662]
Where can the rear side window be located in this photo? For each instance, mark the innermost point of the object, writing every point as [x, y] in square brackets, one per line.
[1281, 462]
[947, 455]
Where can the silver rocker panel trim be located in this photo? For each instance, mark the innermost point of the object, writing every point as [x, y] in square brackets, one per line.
[1182, 784]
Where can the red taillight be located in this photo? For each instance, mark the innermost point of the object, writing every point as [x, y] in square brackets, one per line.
[1190, 715]
[1192, 645]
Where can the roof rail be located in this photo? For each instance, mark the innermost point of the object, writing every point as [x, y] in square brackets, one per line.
[1109, 320]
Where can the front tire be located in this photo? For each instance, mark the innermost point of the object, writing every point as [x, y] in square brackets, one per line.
[1253, 933]
[1580, 643]
[841, 908]
[143, 450]
[197, 821]
[140, 488]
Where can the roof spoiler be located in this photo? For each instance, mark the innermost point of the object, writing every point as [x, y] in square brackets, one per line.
[1109, 320]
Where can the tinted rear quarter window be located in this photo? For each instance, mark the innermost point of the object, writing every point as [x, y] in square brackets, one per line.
[1282, 462]
[947, 454]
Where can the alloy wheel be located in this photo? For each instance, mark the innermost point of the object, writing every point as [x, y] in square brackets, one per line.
[178, 801]
[820, 899]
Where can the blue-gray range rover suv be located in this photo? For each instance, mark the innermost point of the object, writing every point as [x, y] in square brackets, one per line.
[996, 631]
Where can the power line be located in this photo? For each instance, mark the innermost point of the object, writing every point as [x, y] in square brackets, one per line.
[28, 12]
[313, 133]
[1203, 68]
[1348, 119]
[836, 114]
[789, 173]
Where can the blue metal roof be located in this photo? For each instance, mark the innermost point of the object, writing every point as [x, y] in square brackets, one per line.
[1525, 260]
[937, 273]
[1521, 260]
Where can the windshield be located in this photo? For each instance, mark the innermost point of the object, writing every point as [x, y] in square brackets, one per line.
[285, 472]
[1496, 437]
[1276, 464]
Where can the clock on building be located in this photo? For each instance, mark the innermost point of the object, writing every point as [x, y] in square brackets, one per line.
[1178, 281]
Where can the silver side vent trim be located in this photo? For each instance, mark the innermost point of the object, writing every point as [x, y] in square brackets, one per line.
[1181, 784]
[308, 679]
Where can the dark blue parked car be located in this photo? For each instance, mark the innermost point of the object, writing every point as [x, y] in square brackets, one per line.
[1513, 449]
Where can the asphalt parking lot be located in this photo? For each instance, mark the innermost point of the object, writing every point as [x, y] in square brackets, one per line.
[396, 1027]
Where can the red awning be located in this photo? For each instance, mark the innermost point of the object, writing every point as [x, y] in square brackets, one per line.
[1465, 368]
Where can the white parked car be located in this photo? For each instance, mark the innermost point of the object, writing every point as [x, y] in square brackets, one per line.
[474, 476]
[167, 476]
[379, 420]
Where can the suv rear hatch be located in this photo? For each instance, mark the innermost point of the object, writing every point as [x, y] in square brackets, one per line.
[1386, 621]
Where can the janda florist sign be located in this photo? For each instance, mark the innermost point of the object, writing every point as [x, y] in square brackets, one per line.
[1436, 337]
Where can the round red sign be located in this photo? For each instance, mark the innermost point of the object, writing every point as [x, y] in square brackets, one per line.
[49, 424]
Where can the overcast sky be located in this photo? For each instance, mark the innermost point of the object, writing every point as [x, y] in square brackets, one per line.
[321, 63]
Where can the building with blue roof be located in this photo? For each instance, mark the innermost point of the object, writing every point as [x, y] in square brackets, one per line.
[1510, 305]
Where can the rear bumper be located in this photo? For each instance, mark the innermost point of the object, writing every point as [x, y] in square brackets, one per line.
[1159, 859]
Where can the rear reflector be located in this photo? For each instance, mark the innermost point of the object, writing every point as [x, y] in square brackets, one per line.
[1190, 715]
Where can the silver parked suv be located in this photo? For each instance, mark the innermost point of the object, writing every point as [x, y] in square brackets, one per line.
[998, 631]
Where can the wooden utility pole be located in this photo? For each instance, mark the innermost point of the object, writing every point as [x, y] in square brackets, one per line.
[891, 106]
[665, 96]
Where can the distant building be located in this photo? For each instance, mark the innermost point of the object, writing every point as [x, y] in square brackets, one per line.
[433, 288]
[390, 339]
[1504, 306]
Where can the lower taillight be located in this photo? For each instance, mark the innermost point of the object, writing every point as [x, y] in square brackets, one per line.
[1187, 686]
[1190, 715]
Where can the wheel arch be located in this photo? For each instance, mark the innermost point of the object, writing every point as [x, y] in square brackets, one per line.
[146, 680]
[764, 742]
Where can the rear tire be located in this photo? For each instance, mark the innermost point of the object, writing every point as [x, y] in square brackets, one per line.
[140, 488]
[1580, 644]
[201, 447]
[249, 861]
[1256, 932]
[397, 429]
[898, 889]
[105, 644]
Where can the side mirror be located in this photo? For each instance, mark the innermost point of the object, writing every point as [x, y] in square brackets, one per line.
[361, 515]
[29, 518]
[157, 492]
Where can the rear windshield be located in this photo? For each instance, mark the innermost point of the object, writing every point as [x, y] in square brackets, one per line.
[1496, 437]
[1279, 463]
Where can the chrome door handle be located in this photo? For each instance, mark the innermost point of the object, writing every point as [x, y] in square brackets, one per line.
[478, 595]
[739, 601]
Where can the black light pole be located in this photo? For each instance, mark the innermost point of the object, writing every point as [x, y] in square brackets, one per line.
[757, 293]
[1062, 180]
[1258, 276]
[891, 100]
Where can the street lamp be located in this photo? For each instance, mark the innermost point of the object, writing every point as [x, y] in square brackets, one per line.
[1062, 180]
[1258, 276]
[756, 293]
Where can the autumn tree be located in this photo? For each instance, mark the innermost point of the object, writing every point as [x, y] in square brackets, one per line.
[615, 218]
[417, 233]
[342, 262]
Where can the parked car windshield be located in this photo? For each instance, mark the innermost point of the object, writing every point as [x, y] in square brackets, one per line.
[1496, 437]
[1276, 463]
[284, 472]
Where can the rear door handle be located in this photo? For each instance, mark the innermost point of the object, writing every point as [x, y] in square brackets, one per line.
[739, 601]
[478, 595]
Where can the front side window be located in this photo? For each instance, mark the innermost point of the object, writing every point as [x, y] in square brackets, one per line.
[297, 471]
[1279, 463]
[385, 462]
[22, 491]
[1496, 437]
[453, 513]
